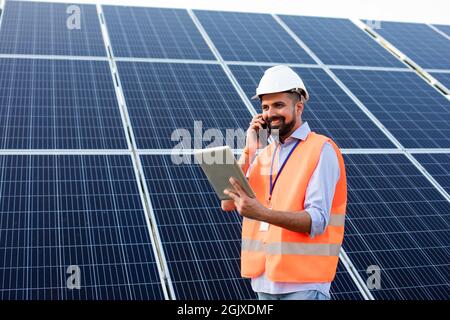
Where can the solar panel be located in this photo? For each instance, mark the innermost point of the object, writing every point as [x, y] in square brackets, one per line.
[43, 28]
[58, 104]
[164, 97]
[64, 212]
[400, 223]
[443, 78]
[438, 165]
[329, 111]
[443, 28]
[59, 211]
[340, 42]
[413, 111]
[154, 33]
[251, 37]
[200, 241]
[419, 42]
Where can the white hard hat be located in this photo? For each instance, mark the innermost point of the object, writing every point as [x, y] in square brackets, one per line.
[280, 79]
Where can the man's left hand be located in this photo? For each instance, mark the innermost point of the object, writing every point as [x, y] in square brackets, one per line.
[246, 206]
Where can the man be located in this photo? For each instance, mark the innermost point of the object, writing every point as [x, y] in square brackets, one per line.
[293, 230]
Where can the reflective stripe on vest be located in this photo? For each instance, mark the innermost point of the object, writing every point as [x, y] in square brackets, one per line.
[308, 249]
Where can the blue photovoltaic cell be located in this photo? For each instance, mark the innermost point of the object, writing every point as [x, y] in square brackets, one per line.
[413, 111]
[58, 211]
[43, 28]
[164, 100]
[154, 33]
[340, 42]
[419, 42]
[399, 222]
[201, 242]
[329, 111]
[58, 104]
[443, 28]
[438, 165]
[443, 78]
[251, 37]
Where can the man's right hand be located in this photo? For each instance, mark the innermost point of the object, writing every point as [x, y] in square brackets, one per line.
[253, 140]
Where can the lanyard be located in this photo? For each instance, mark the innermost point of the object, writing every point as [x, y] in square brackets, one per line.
[272, 184]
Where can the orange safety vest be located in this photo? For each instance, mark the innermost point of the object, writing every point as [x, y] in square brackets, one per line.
[284, 255]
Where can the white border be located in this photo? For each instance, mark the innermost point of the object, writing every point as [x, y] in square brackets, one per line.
[158, 249]
[442, 33]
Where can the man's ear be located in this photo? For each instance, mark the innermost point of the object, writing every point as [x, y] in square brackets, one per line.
[299, 106]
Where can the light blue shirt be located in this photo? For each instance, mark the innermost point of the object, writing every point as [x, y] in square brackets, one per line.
[318, 200]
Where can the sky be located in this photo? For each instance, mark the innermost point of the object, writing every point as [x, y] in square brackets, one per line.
[424, 11]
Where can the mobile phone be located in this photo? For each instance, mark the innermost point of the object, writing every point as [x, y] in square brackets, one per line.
[266, 126]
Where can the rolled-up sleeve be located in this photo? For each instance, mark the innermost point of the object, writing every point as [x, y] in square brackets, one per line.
[321, 188]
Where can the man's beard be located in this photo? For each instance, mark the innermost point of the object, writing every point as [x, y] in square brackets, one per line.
[282, 127]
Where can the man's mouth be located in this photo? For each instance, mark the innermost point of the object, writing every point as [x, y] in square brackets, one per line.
[275, 122]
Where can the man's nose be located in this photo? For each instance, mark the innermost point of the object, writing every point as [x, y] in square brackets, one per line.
[271, 113]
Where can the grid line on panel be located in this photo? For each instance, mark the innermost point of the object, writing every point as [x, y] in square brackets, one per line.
[52, 219]
[43, 28]
[339, 42]
[154, 33]
[244, 37]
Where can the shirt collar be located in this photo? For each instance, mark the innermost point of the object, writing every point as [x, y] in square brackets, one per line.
[300, 133]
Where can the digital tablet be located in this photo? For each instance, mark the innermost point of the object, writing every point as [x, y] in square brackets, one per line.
[219, 165]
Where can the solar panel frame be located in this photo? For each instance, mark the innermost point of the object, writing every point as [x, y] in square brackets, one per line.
[50, 39]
